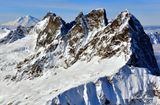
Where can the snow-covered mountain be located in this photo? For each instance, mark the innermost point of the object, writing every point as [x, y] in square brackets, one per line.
[154, 33]
[12, 35]
[25, 21]
[152, 29]
[154, 37]
[89, 61]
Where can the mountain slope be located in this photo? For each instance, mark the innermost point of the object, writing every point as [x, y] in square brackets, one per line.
[25, 21]
[86, 62]
[154, 37]
[123, 37]
[131, 86]
[120, 89]
[14, 35]
[154, 33]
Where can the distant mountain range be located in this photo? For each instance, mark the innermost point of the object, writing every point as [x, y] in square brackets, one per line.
[154, 33]
[25, 21]
[151, 27]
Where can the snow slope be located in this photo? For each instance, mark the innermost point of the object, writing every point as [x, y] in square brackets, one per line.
[86, 62]
[3, 33]
[131, 86]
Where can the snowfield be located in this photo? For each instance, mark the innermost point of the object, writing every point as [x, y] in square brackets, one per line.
[53, 82]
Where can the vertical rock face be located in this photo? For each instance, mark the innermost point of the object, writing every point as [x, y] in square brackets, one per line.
[142, 56]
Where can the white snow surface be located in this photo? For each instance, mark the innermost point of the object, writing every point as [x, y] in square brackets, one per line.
[41, 90]
[131, 86]
[4, 32]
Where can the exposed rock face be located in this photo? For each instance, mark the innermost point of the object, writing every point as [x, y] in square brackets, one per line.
[89, 36]
[52, 31]
[83, 32]
[59, 40]
[142, 51]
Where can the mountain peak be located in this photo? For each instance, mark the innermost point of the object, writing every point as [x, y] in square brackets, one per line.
[29, 16]
[97, 17]
[93, 20]
[90, 36]
[54, 28]
[80, 15]
[50, 14]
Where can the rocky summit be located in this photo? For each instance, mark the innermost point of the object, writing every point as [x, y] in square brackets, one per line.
[89, 36]
[89, 61]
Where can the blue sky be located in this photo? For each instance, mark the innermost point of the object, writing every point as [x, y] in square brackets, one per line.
[147, 11]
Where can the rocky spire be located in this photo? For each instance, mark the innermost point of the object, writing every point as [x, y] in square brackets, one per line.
[97, 18]
[55, 27]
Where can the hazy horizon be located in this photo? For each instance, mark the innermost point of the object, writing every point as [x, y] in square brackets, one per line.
[146, 11]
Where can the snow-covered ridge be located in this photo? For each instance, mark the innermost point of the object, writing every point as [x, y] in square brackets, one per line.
[14, 35]
[154, 33]
[131, 86]
[154, 37]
